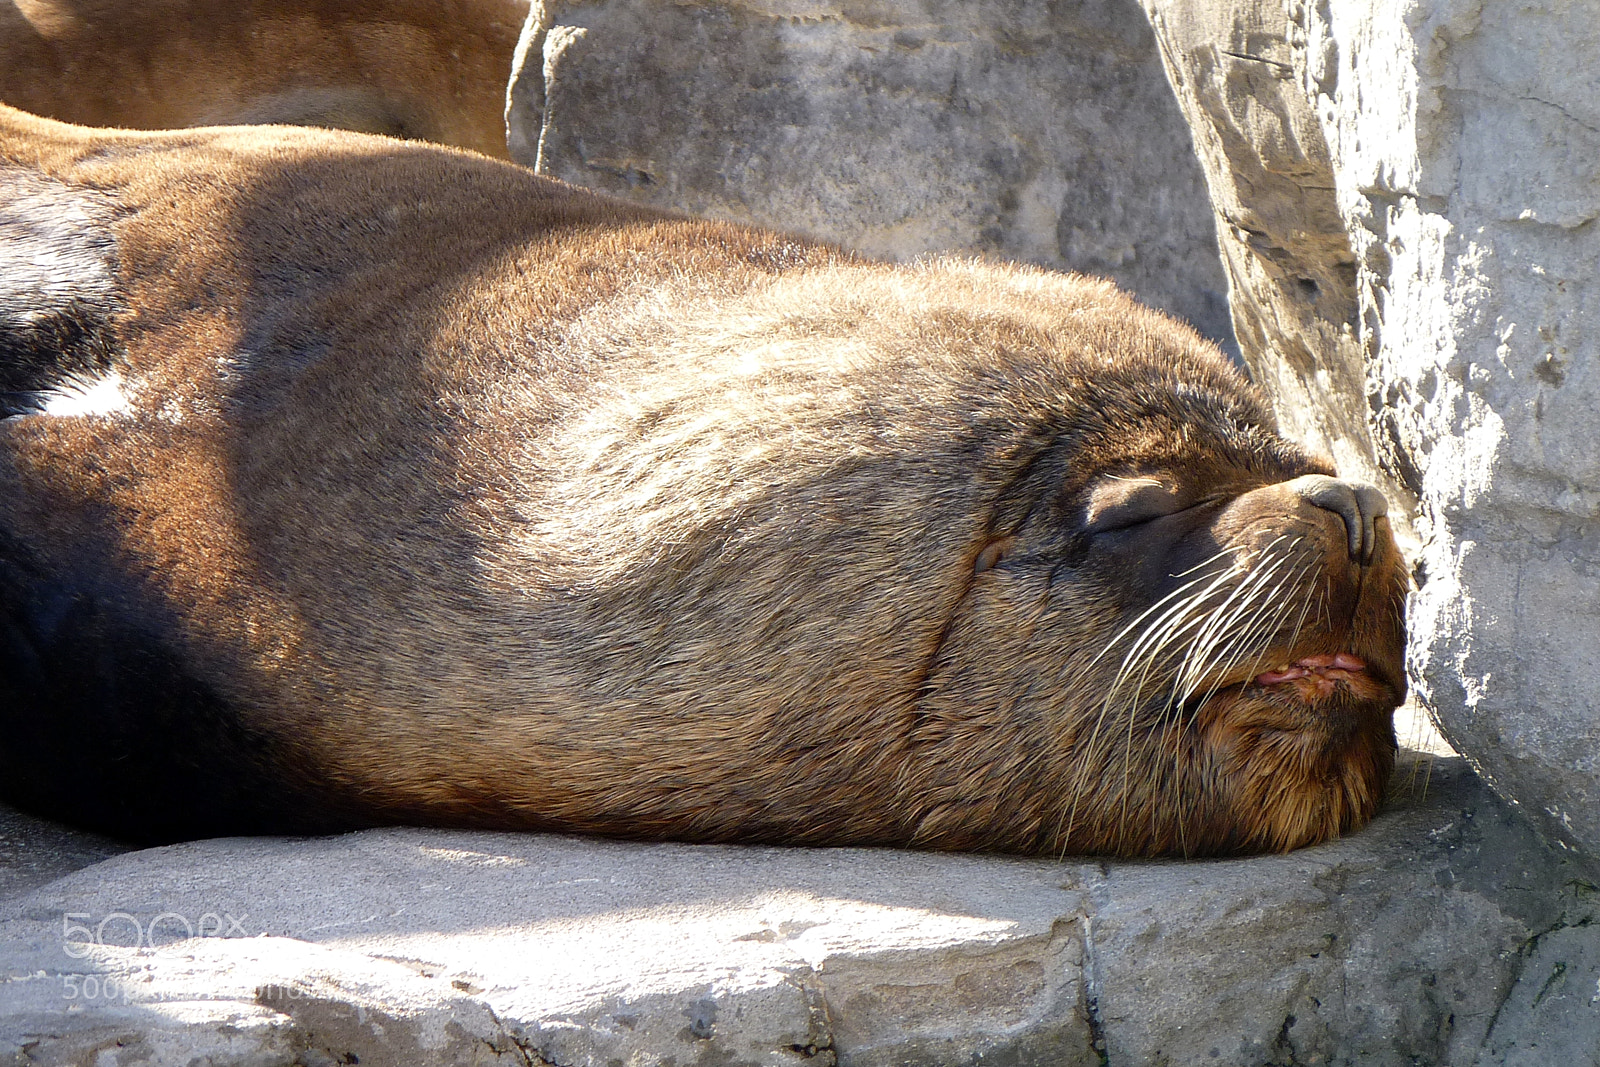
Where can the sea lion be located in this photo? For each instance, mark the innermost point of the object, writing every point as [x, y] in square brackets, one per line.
[352, 481]
[435, 70]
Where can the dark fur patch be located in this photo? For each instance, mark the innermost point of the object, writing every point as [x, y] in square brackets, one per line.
[58, 292]
[101, 725]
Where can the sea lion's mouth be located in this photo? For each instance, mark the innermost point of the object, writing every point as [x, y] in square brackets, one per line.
[1316, 677]
[1323, 666]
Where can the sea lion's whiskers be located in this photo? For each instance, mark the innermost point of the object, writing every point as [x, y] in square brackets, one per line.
[1156, 635]
[1251, 598]
[1164, 631]
[1174, 613]
[1248, 638]
[1215, 624]
[1312, 593]
[1161, 634]
[1245, 638]
[1159, 605]
[1261, 614]
[1216, 621]
[1221, 621]
[1272, 625]
[1252, 633]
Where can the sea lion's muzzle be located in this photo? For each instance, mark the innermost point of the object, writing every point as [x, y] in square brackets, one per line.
[1316, 541]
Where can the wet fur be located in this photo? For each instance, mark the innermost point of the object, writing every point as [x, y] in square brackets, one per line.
[459, 496]
[432, 70]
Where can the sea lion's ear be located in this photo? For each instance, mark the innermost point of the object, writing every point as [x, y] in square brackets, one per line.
[992, 554]
[1116, 503]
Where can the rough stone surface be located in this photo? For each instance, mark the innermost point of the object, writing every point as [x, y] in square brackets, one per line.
[1043, 133]
[35, 851]
[1290, 264]
[1431, 937]
[1550, 1017]
[1455, 140]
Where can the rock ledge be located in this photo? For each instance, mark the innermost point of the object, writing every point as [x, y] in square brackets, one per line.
[1402, 944]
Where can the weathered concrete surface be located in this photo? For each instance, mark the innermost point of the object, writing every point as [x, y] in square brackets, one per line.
[414, 947]
[1043, 133]
[1455, 142]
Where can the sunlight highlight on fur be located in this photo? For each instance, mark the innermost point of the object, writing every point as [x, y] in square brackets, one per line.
[85, 397]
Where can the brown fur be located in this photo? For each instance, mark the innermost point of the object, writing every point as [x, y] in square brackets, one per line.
[433, 70]
[479, 500]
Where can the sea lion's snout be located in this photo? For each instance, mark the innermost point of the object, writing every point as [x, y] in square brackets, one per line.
[1332, 536]
[1358, 504]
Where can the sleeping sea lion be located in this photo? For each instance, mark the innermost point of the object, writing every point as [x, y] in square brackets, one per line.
[434, 70]
[351, 481]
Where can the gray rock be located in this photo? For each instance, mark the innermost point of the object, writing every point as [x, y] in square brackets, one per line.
[1038, 133]
[35, 851]
[1454, 145]
[1290, 265]
[1559, 987]
[1397, 945]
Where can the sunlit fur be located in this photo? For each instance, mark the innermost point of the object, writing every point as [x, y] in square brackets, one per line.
[456, 496]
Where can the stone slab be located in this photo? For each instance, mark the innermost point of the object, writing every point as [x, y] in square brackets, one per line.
[1397, 945]
[36, 851]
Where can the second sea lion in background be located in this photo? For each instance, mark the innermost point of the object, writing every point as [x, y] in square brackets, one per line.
[431, 70]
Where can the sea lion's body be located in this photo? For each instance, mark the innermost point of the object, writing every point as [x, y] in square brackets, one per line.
[434, 70]
[350, 481]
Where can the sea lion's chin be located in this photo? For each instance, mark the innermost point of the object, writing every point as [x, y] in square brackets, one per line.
[1305, 747]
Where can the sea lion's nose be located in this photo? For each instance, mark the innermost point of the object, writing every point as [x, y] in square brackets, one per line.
[1357, 504]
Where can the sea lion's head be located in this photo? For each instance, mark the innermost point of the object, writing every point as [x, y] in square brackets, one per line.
[1206, 623]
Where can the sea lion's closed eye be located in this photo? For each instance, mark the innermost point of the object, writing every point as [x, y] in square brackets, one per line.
[1118, 503]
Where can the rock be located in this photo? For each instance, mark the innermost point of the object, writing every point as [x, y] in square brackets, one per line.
[1560, 986]
[1456, 142]
[1039, 133]
[35, 851]
[1290, 265]
[417, 947]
